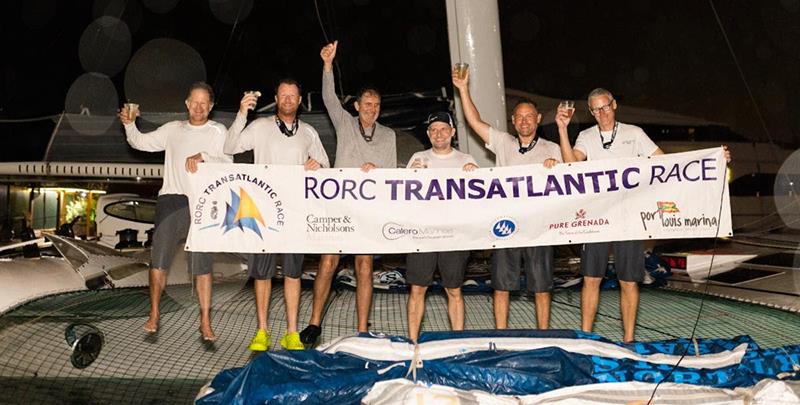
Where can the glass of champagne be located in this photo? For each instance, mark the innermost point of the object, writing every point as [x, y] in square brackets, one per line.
[569, 106]
[461, 68]
[132, 109]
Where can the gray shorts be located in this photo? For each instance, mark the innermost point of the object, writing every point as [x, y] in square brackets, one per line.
[264, 266]
[172, 226]
[452, 266]
[536, 262]
[628, 259]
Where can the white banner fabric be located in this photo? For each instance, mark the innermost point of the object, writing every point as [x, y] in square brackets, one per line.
[284, 209]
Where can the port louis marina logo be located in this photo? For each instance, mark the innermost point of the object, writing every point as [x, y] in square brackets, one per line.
[580, 223]
[669, 217]
[239, 193]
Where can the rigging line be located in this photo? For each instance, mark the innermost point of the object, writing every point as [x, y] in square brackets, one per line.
[113, 35]
[336, 69]
[221, 66]
[335, 32]
[747, 87]
[741, 72]
[32, 119]
[705, 290]
[321, 25]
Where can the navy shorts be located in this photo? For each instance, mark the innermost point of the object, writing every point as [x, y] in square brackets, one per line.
[536, 262]
[452, 266]
[628, 259]
[264, 266]
[172, 226]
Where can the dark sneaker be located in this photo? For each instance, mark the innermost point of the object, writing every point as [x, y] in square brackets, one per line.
[310, 334]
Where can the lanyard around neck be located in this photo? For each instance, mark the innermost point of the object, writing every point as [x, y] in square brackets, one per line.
[607, 145]
[525, 149]
[364, 135]
[284, 129]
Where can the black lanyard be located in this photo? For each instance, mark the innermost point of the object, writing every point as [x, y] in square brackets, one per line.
[364, 135]
[607, 145]
[285, 130]
[525, 149]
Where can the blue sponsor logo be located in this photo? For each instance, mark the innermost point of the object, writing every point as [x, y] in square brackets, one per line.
[504, 228]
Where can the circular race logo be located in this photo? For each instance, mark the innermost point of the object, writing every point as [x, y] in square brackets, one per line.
[504, 228]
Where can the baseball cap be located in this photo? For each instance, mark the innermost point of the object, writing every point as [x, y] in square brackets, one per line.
[441, 116]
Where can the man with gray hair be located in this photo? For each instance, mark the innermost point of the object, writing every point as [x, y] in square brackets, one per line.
[608, 139]
[360, 142]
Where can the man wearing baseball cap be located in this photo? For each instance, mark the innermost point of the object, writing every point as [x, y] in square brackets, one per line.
[452, 265]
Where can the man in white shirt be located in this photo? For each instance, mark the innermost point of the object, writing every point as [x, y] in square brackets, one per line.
[452, 265]
[609, 139]
[282, 139]
[526, 148]
[185, 143]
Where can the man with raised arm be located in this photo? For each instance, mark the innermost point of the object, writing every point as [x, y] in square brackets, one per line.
[524, 149]
[185, 144]
[609, 139]
[452, 265]
[360, 142]
[282, 139]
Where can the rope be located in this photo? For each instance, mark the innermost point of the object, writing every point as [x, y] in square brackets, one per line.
[703, 296]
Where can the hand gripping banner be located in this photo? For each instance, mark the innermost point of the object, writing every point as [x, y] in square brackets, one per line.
[284, 209]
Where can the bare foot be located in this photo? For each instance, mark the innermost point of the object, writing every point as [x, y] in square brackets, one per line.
[207, 333]
[151, 326]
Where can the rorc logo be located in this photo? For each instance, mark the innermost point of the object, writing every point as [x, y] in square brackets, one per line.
[504, 228]
[242, 213]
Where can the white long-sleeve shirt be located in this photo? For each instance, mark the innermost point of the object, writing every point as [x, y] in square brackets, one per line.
[179, 140]
[271, 146]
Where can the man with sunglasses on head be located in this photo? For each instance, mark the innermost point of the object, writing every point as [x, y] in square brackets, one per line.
[360, 142]
[282, 139]
[185, 144]
[524, 149]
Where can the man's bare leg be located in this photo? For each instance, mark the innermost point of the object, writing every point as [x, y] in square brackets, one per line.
[291, 296]
[590, 298]
[158, 281]
[262, 290]
[455, 308]
[322, 287]
[501, 309]
[628, 307]
[363, 290]
[415, 308]
[203, 287]
[542, 301]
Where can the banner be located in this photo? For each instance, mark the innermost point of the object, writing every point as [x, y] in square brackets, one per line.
[284, 209]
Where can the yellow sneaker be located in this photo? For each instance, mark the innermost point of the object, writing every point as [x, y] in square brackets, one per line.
[261, 341]
[291, 341]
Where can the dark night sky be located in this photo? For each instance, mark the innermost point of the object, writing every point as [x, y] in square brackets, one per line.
[664, 55]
